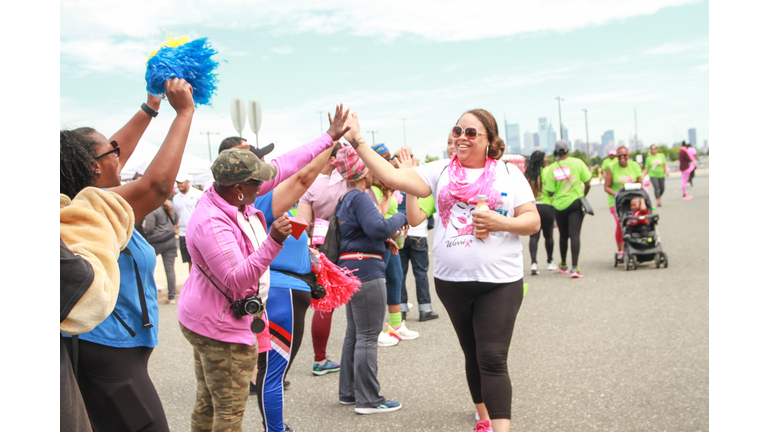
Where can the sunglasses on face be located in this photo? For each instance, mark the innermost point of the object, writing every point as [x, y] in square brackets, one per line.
[115, 149]
[469, 132]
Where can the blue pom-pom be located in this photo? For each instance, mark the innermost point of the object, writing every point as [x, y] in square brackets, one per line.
[190, 61]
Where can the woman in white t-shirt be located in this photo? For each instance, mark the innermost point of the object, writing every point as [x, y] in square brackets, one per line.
[479, 280]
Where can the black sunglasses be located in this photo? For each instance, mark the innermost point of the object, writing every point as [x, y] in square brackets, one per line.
[470, 132]
[115, 149]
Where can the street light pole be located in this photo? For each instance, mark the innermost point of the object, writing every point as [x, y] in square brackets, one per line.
[373, 138]
[209, 142]
[321, 121]
[560, 114]
[403, 132]
[586, 124]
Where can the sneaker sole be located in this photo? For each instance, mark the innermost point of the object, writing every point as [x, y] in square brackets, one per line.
[324, 372]
[346, 403]
[376, 410]
[406, 337]
[387, 345]
[576, 276]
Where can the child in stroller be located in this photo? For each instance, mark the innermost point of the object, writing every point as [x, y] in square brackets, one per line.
[639, 229]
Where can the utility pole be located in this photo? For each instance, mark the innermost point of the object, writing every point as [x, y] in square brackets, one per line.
[403, 132]
[561, 115]
[586, 124]
[321, 121]
[209, 142]
[373, 138]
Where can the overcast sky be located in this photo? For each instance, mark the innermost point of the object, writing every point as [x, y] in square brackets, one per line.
[426, 62]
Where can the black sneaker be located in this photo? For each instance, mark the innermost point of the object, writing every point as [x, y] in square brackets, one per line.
[426, 316]
[254, 389]
[286, 384]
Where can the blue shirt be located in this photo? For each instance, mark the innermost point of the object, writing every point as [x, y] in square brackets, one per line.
[293, 257]
[110, 332]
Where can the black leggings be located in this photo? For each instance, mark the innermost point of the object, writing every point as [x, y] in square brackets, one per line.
[547, 215]
[658, 186]
[116, 388]
[569, 225]
[483, 316]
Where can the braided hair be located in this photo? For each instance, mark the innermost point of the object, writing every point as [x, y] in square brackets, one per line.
[77, 165]
[533, 170]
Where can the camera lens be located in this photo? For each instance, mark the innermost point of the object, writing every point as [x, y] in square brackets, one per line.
[252, 306]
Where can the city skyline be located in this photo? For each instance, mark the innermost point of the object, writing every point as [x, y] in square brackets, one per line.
[408, 76]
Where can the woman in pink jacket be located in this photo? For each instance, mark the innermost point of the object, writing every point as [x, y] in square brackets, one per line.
[231, 252]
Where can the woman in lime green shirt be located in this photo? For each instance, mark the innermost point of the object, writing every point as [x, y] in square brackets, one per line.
[616, 176]
[656, 168]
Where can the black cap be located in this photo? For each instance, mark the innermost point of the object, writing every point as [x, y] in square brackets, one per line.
[261, 152]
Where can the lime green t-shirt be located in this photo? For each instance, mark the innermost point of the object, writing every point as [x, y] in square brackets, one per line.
[608, 162]
[655, 165]
[392, 202]
[544, 197]
[565, 179]
[622, 176]
[428, 205]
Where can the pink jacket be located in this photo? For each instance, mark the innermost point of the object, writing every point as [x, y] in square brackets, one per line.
[217, 242]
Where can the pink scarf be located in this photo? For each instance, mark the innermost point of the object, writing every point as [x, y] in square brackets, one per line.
[465, 191]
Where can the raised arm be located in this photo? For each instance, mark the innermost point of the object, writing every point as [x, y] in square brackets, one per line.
[129, 135]
[404, 179]
[154, 187]
[289, 191]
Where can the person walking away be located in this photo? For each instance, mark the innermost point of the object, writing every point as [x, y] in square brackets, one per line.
[161, 235]
[567, 181]
[657, 169]
[535, 171]
[686, 167]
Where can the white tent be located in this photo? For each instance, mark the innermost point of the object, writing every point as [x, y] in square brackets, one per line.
[199, 169]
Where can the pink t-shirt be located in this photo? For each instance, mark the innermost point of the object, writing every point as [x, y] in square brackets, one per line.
[324, 194]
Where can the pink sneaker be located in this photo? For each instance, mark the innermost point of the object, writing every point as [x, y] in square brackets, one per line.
[620, 255]
[483, 426]
[687, 197]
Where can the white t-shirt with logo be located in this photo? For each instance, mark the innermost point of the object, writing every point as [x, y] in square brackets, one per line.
[184, 205]
[459, 255]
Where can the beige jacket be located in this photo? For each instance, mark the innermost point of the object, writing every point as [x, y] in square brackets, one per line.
[96, 225]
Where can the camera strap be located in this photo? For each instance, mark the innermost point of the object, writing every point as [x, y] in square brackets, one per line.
[142, 300]
[214, 284]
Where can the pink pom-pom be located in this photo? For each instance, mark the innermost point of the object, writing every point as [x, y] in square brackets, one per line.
[399, 197]
[339, 283]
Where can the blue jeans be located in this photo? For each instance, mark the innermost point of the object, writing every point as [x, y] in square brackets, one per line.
[394, 275]
[416, 249]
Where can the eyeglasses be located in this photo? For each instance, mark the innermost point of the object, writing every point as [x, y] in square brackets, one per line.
[469, 132]
[115, 149]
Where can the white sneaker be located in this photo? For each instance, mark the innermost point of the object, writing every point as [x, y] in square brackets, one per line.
[385, 340]
[551, 266]
[401, 332]
[534, 269]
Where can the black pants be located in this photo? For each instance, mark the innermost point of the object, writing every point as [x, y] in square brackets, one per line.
[569, 225]
[658, 186]
[483, 316]
[547, 215]
[117, 390]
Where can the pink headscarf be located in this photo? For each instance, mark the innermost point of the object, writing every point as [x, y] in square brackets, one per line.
[349, 164]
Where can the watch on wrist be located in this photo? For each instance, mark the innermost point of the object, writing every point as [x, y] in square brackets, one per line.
[148, 110]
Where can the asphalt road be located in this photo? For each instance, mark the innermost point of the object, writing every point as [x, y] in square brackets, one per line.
[614, 351]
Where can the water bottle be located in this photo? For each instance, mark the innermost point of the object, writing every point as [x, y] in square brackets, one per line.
[481, 207]
[502, 206]
[400, 239]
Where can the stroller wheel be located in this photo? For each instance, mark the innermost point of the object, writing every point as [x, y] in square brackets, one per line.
[615, 259]
[664, 259]
[626, 261]
[657, 259]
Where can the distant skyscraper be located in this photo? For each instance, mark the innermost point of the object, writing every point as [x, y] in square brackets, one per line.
[513, 139]
[536, 140]
[692, 137]
[607, 137]
[552, 138]
[565, 134]
[528, 142]
[543, 134]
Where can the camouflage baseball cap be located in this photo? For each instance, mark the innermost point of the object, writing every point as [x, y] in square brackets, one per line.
[235, 166]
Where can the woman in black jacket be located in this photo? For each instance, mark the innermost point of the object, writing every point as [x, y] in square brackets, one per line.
[160, 232]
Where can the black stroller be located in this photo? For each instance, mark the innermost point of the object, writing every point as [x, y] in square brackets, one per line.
[642, 242]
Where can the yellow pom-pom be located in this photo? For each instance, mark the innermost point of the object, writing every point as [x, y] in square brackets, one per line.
[171, 42]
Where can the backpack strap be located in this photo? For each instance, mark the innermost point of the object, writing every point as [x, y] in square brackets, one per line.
[142, 299]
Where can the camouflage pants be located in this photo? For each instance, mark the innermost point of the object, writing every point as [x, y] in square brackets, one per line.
[223, 372]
